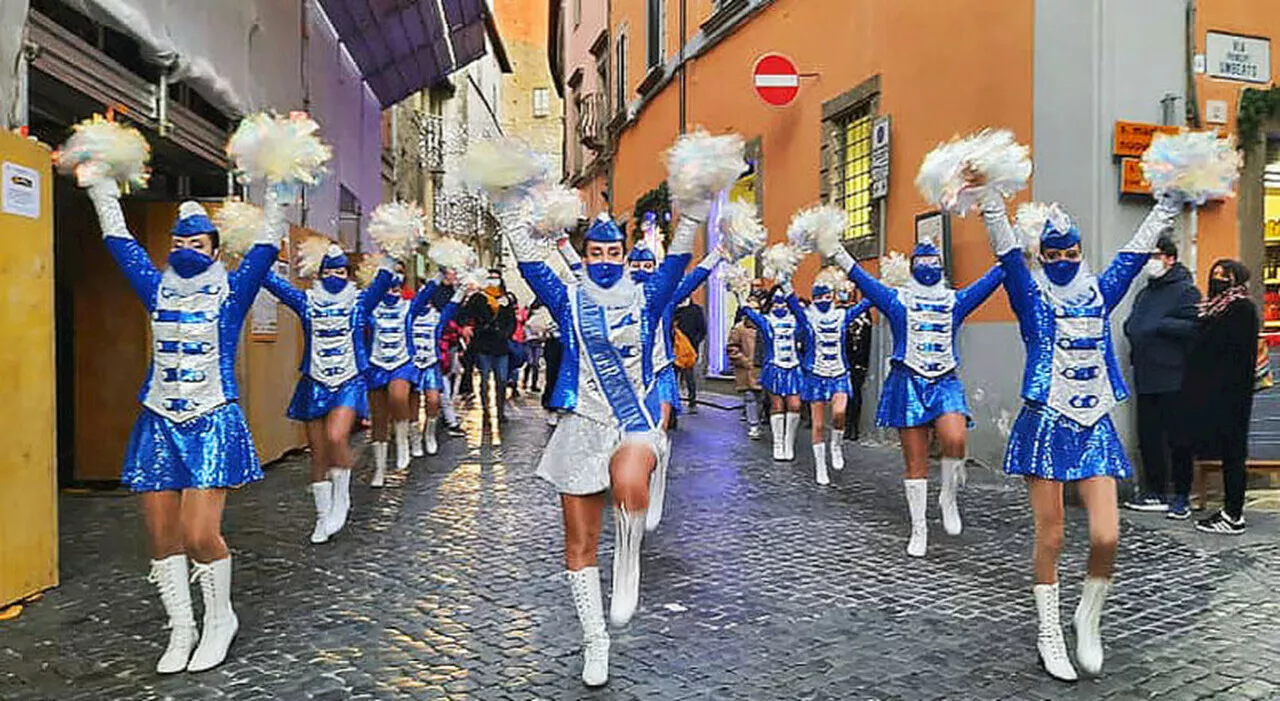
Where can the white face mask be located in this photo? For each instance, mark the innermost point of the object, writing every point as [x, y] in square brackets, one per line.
[1155, 267]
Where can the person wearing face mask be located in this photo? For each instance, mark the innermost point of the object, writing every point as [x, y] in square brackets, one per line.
[390, 378]
[923, 388]
[822, 330]
[495, 323]
[611, 439]
[781, 376]
[1218, 390]
[331, 393]
[1160, 328]
[191, 442]
[429, 315]
[1070, 384]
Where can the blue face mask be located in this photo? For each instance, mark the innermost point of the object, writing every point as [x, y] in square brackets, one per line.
[927, 275]
[332, 284]
[823, 306]
[188, 262]
[1061, 272]
[391, 298]
[605, 275]
[641, 276]
[779, 309]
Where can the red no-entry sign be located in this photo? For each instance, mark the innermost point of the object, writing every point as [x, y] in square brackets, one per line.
[776, 79]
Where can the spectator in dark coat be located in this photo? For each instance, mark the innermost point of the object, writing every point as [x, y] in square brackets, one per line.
[1160, 328]
[1217, 388]
[692, 322]
[495, 323]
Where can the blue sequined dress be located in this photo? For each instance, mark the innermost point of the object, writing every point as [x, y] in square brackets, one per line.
[191, 433]
[333, 360]
[781, 375]
[923, 383]
[425, 324]
[1072, 379]
[822, 336]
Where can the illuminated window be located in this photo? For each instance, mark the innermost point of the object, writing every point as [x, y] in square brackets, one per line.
[851, 186]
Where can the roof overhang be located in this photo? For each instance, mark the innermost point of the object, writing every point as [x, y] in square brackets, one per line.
[403, 46]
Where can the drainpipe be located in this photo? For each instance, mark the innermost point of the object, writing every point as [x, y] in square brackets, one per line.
[684, 100]
[303, 76]
[1193, 121]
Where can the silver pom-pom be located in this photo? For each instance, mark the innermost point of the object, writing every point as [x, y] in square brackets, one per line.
[741, 233]
[451, 254]
[895, 270]
[959, 174]
[284, 150]
[100, 148]
[817, 229]
[239, 228]
[397, 228]
[505, 168]
[311, 253]
[1198, 165]
[700, 166]
[555, 209]
[781, 261]
[736, 279]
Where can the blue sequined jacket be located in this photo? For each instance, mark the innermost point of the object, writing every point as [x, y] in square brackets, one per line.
[367, 298]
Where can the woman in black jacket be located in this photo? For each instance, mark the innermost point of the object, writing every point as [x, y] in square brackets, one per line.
[1218, 389]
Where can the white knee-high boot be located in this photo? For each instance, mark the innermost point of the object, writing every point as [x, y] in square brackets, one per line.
[820, 464]
[952, 479]
[341, 478]
[322, 492]
[629, 527]
[402, 444]
[416, 438]
[379, 464]
[170, 577]
[220, 622]
[429, 437]
[585, 586]
[1053, 649]
[778, 426]
[793, 423]
[917, 502]
[1088, 620]
[837, 449]
[657, 491]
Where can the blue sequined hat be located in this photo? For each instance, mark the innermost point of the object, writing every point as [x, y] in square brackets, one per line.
[1052, 237]
[925, 248]
[604, 230]
[193, 220]
[334, 258]
[820, 290]
[397, 281]
[641, 253]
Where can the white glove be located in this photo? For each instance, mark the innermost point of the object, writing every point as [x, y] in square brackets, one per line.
[105, 194]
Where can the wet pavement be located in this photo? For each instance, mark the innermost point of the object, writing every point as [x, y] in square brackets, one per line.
[760, 585]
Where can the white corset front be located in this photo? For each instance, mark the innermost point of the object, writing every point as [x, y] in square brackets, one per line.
[785, 353]
[624, 326]
[333, 350]
[930, 322]
[425, 328]
[186, 372]
[1080, 388]
[828, 332]
[390, 343]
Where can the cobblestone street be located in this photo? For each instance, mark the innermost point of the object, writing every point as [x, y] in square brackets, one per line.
[759, 585]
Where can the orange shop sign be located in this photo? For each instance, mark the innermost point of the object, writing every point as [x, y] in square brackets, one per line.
[1132, 181]
[1133, 138]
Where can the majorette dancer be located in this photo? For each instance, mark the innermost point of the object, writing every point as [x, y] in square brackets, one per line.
[1070, 384]
[822, 332]
[390, 378]
[191, 442]
[613, 439]
[781, 376]
[642, 262]
[427, 320]
[923, 388]
[331, 393]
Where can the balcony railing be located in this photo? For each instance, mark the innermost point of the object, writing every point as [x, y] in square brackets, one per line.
[593, 121]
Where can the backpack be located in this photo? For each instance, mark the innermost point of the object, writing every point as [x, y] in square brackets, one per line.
[686, 354]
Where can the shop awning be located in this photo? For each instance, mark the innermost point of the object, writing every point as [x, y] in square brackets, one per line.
[403, 46]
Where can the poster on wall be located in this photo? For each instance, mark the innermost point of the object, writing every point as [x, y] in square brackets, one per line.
[21, 192]
[264, 317]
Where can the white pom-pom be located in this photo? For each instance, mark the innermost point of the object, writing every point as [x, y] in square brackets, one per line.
[831, 278]
[555, 208]
[961, 173]
[741, 233]
[100, 148]
[817, 229]
[895, 270]
[1031, 219]
[239, 227]
[699, 165]
[780, 261]
[367, 270]
[397, 228]
[1198, 165]
[736, 279]
[311, 253]
[283, 150]
[451, 254]
[503, 167]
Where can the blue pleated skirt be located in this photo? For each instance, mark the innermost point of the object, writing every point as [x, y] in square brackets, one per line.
[428, 379]
[782, 382]
[1048, 445]
[313, 400]
[667, 386]
[377, 377]
[821, 389]
[213, 451]
[909, 399]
